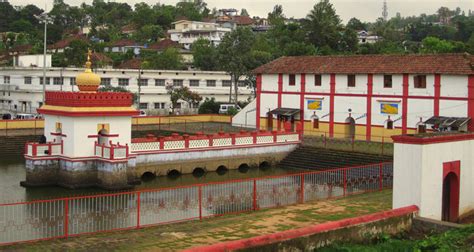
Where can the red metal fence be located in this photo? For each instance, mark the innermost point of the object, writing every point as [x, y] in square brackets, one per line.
[67, 217]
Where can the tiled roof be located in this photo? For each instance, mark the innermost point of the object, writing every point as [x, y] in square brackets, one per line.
[124, 42]
[131, 64]
[163, 44]
[65, 42]
[100, 57]
[243, 20]
[376, 64]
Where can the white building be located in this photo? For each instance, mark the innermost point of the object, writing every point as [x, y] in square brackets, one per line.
[21, 87]
[365, 38]
[366, 97]
[187, 32]
[35, 60]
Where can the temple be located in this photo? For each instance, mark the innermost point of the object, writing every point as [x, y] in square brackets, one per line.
[88, 143]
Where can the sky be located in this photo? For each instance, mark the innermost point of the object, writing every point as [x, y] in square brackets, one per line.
[365, 10]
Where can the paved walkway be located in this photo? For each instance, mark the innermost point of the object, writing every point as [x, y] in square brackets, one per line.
[175, 237]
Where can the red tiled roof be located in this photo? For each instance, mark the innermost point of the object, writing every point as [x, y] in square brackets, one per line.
[128, 28]
[100, 57]
[163, 44]
[131, 64]
[376, 64]
[65, 42]
[243, 20]
[21, 48]
[124, 42]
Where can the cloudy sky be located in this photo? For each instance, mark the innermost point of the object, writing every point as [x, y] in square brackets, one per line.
[365, 10]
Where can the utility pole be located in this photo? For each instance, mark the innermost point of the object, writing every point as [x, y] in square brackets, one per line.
[44, 18]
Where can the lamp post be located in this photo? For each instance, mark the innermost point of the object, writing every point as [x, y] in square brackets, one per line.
[44, 18]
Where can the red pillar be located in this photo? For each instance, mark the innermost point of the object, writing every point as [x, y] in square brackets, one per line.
[405, 104]
[470, 102]
[280, 91]
[259, 92]
[303, 90]
[437, 94]
[332, 84]
[368, 127]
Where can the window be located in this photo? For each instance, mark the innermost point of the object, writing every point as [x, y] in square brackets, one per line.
[159, 105]
[226, 83]
[72, 81]
[387, 81]
[389, 124]
[159, 82]
[241, 83]
[6, 79]
[351, 80]
[420, 81]
[291, 80]
[143, 106]
[211, 83]
[315, 122]
[48, 80]
[123, 82]
[194, 83]
[317, 80]
[177, 83]
[27, 80]
[143, 82]
[105, 81]
[58, 80]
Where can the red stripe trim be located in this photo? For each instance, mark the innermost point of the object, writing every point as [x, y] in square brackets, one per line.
[332, 84]
[405, 104]
[407, 139]
[368, 129]
[373, 95]
[259, 90]
[84, 114]
[437, 94]
[280, 92]
[303, 89]
[58, 134]
[304, 232]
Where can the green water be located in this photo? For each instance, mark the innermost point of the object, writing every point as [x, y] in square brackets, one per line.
[12, 171]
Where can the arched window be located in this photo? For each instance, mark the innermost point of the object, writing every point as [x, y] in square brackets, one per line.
[315, 120]
[103, 137]
[349, 129]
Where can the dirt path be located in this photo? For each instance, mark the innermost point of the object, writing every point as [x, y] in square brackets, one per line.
[175, 237]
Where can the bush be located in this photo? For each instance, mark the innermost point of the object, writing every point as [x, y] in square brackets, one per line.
[232, 111]
[209, 106]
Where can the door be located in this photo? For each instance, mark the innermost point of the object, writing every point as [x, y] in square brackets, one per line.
[450, 200]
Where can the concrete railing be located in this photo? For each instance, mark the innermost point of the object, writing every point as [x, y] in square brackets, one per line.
[43, 149]
[200, 140]
[111, 151]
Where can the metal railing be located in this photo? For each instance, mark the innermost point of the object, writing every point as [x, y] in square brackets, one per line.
[67, 217]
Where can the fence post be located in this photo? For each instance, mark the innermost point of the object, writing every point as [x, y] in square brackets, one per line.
[138, 210]
[200, 202]
[380, 176]
[344, 178]
[302, 189]
[255, 194]
[66, 218]
[382, 143]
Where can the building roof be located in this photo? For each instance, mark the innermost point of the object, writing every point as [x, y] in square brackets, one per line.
[163, 45]
[100, 57]
[131, 64]
[376, 64]
[130, 28]
[65, 42]
[124, 42]
[243, 20]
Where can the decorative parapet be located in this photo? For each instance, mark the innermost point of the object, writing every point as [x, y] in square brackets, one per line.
[99, 99]
[111, 151]
[200, 140]
[43, 149]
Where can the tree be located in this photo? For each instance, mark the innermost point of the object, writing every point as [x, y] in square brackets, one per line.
[323, 25]
[182, 93]
[8, 14]
[209, 106]
[168, 59]
[276, 16]
[205, 55]
[22, 25]
[244, 12]
[235, 56]
[148, 33]
[143, 15]
[436, 45]
[76, 53]
[356, 24]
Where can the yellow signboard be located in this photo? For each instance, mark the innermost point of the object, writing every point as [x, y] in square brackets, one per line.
[389, 108]
[315, 104]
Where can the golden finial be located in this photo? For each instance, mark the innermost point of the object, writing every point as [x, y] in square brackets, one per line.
[88, 62]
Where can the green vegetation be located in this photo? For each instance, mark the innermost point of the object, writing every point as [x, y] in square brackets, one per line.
[453, 240]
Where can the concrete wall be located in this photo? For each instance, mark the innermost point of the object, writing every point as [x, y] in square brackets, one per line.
[246, 117]
[418, 175]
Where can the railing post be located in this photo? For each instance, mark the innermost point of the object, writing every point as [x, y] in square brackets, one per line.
[126, 150]
[380, 176]
[49, 149]
[62, 147]
[200, 202]
[34, 148]
[66, 218]
[232, 135]
[382, 143]
[255, 194]
[138, 209]
[344, 178]
[302, 189]
[112, 150]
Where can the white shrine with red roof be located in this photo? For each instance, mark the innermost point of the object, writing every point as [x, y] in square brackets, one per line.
[88, 143]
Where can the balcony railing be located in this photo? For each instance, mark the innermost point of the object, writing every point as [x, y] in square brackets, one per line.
[111, 151]
[43, 149]
[200, 140]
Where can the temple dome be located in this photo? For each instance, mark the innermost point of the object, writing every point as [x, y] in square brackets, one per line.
[88, 81]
